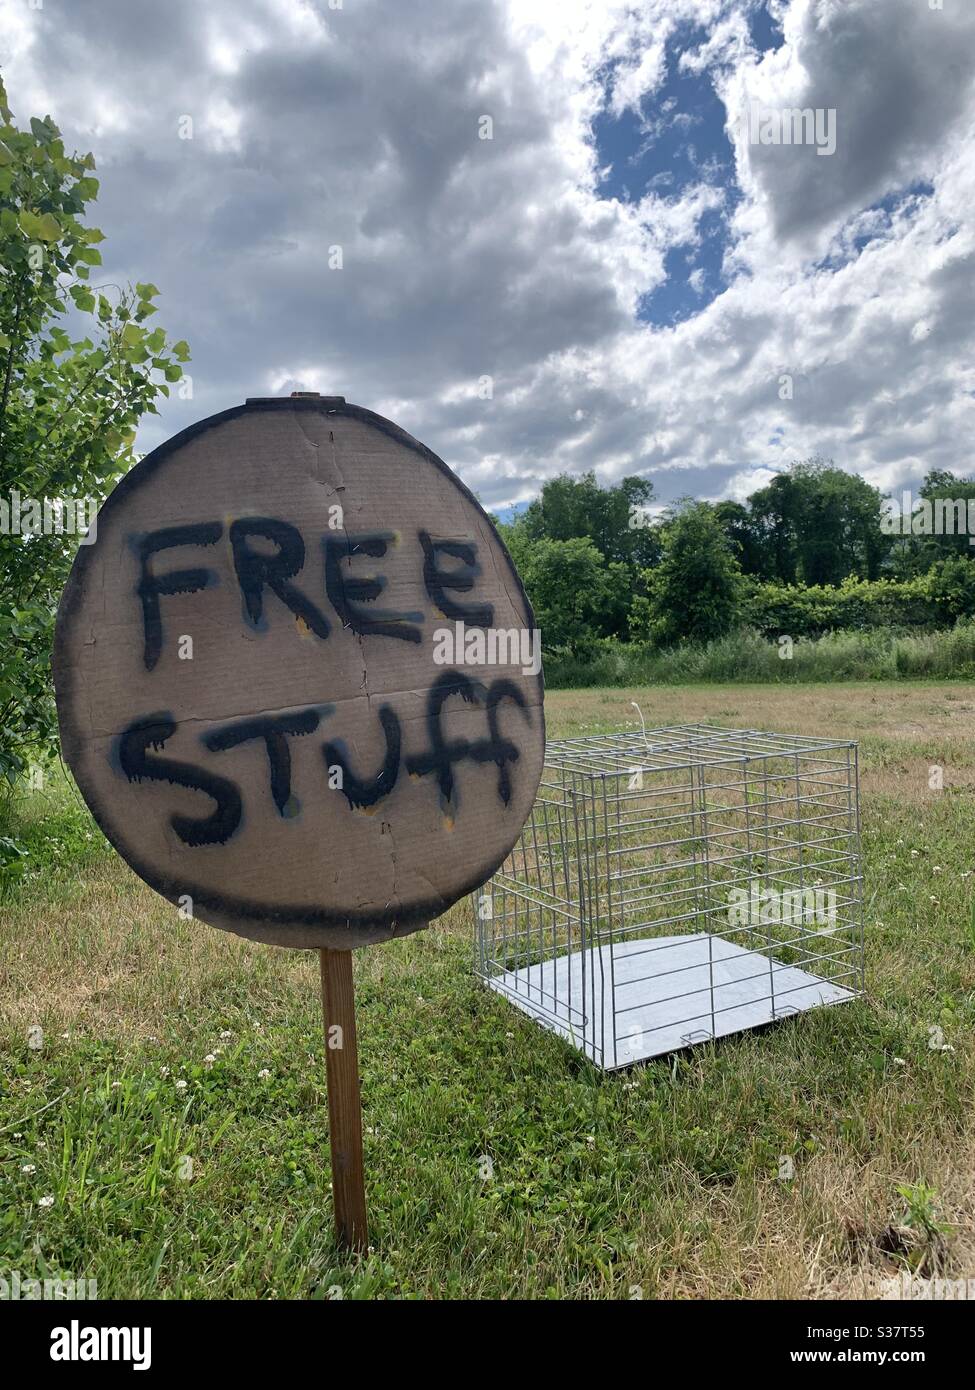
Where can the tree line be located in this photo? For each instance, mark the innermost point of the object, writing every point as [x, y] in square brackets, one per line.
[813, 551]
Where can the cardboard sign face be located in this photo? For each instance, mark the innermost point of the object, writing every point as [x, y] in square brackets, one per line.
[296, 677]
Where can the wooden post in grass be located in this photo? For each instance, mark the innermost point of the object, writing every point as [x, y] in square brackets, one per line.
[344, 1106]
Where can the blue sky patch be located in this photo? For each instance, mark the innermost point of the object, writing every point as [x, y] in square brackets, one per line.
[766, 35]
[898, 201]
[677, 140]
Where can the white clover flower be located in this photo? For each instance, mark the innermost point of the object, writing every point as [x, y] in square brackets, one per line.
[209, 1059]
[264, 1073]
[28, 1168]
[46, 1202]
[181, 1085]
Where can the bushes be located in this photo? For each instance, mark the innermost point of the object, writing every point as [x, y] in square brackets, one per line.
[879, 629]
[951, 584]
[943, 595]
[748, 657]
[574, 594]
[856, 605]
[800, 558]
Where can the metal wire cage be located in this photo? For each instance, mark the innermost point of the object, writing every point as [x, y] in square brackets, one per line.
[679, 885]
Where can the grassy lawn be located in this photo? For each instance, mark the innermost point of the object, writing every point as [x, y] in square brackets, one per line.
[165, 1039]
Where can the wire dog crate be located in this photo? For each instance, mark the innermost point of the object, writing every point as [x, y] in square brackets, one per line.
[679, 885]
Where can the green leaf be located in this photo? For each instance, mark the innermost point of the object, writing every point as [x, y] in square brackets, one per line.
[6, 157]
[4, 342]
[83, 298]
[29, 222]
[43, 228]
[48, 227]
[42, 130]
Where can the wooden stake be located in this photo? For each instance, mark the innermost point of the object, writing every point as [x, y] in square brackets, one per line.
[344, 1105]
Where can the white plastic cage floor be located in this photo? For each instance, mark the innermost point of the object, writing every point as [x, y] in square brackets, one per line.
[663, 989]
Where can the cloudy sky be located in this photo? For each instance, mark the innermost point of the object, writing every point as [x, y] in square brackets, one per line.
[618, 279]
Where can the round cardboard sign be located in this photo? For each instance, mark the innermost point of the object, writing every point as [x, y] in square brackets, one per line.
[297, 677]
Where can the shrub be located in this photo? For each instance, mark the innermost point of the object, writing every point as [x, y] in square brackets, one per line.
[746, 656]
[856, 605]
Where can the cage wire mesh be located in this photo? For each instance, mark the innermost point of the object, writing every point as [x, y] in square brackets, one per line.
[679, 885]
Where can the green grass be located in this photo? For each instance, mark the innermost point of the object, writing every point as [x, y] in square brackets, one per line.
[660, 1181]
[746, 656]
[45, 836]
